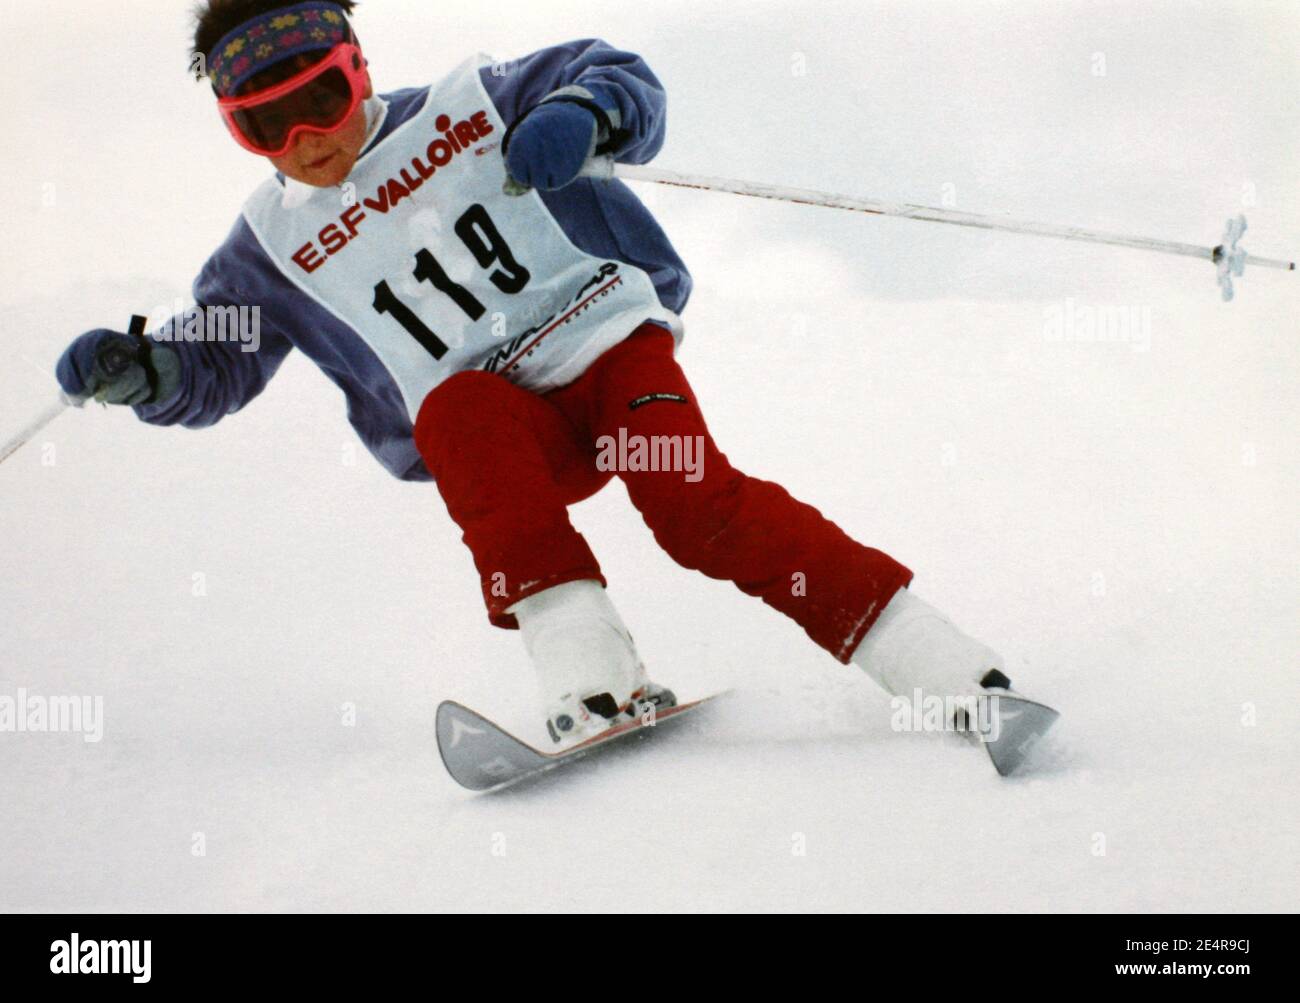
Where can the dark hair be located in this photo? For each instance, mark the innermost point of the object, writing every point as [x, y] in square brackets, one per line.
[215, 19]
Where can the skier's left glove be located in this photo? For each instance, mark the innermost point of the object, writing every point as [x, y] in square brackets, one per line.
[548, 146]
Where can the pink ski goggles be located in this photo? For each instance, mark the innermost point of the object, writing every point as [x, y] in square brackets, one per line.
[319, 99]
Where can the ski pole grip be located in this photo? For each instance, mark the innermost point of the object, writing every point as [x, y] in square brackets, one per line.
[137, 328]
[116, 360]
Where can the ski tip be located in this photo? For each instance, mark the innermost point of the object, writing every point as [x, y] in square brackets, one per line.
[481, 756]
[1020, 734]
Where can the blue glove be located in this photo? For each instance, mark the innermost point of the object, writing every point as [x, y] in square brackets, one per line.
[548, 147]
[116, 368]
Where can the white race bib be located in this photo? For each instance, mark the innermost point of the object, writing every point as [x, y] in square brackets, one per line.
[438, 271]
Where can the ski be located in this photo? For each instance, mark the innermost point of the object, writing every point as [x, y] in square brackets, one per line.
[482, 756]
[1018, 726]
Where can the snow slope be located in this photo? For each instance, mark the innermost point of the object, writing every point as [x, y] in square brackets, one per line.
[1118, 516]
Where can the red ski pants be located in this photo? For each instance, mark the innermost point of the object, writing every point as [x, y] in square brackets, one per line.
[508, 462]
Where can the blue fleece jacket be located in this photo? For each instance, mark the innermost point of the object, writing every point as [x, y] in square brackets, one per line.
[604, 219]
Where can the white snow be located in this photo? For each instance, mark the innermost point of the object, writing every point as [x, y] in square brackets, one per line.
[1117, 516]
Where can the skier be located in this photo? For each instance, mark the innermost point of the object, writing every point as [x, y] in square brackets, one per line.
[493, 318]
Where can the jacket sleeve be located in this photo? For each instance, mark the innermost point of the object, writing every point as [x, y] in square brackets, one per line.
[231, 362]
[620, 82]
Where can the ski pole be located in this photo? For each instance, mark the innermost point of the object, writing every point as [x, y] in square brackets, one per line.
[35, 425]
[65, 401]
[1226, 256]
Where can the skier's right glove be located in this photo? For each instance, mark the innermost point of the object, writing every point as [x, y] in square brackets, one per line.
[116, 368]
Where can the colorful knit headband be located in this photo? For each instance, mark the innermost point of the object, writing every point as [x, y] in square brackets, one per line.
[279, 34]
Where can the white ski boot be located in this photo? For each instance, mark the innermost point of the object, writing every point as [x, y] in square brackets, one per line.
[588, 670]
[915, 652]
